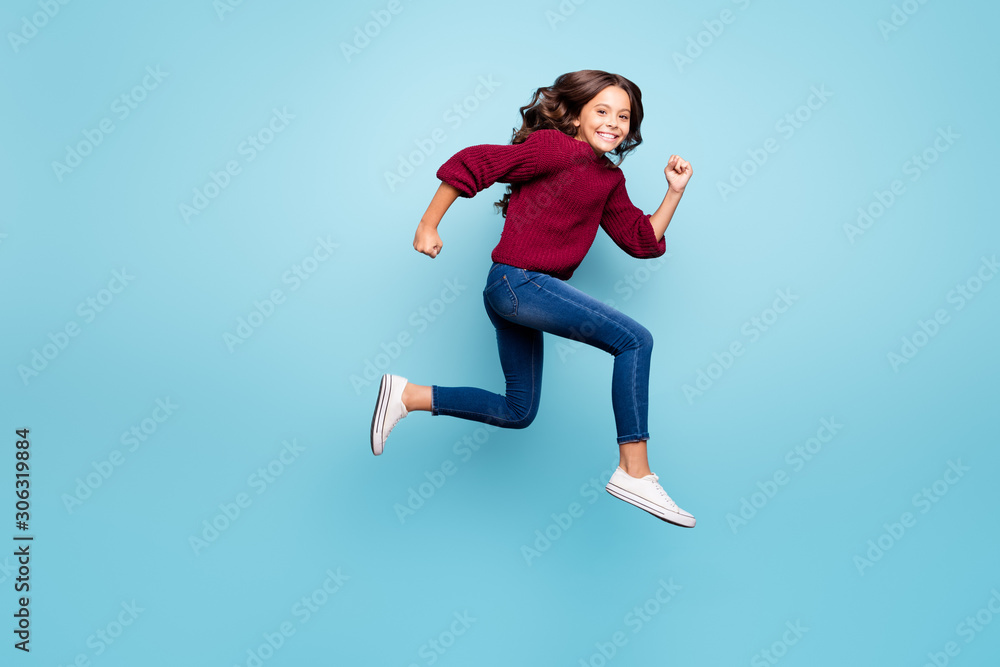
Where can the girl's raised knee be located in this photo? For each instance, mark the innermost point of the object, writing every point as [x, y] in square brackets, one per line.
[523, 422]
[643, 337]
[522, 418]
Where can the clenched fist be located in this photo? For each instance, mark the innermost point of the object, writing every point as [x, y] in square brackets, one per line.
[427, 241]
[678, 171]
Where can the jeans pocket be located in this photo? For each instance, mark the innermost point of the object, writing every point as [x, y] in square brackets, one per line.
[501, 297]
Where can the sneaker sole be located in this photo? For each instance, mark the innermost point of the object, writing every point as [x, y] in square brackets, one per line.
[378, 416]
[642, 503]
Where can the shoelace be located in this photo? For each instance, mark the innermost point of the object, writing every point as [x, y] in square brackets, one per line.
[402, 414]
[394, 422]
[659, 489]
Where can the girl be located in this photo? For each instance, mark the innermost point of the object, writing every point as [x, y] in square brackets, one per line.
[561, 187]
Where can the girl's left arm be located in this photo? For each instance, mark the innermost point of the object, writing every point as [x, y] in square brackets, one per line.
[678, 172]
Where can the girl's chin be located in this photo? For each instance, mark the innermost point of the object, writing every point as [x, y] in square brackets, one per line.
[606, 144]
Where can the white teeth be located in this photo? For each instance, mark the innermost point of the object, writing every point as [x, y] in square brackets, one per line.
[609, 137]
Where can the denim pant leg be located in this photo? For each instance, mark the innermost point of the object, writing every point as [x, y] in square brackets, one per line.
[520, 349]
[554, 306]
[521, 304]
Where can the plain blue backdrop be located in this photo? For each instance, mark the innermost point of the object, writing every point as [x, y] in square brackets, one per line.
[206, 261]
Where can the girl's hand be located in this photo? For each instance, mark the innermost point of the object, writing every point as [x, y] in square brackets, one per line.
[678, 171]
[427, 241]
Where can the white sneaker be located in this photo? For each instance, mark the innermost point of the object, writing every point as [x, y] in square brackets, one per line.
[646, 493]
[389, 409]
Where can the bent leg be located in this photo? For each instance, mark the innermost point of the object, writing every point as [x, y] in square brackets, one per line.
[554, 306]
[521, 352]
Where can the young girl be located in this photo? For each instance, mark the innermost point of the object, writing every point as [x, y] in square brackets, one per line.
[562, 186]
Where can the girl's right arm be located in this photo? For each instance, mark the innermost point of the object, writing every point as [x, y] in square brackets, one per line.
[426, 240]
[475, 168]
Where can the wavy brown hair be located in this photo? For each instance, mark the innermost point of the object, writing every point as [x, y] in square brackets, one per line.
[557, 106]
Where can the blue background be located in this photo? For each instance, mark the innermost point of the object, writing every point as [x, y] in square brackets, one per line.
[351, 116]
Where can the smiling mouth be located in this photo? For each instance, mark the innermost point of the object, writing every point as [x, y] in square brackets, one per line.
[607, 136]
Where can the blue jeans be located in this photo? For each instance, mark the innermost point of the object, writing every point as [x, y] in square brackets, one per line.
[522, 304]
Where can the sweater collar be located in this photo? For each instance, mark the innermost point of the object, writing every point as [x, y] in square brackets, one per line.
[586, 150]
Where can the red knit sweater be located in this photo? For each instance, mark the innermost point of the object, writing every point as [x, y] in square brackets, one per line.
[561, 193]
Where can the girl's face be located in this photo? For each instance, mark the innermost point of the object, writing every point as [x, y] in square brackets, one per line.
[604, 120]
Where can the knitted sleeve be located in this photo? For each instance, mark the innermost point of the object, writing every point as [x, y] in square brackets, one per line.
[476, 168]
[629, 227]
